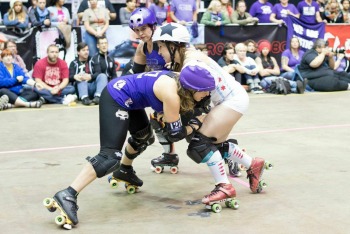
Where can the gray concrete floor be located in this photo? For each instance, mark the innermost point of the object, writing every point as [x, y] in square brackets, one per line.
[305, 136]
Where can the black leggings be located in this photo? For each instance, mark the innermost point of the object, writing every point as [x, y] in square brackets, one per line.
[330, 81]
[115, 122]
[26, 94]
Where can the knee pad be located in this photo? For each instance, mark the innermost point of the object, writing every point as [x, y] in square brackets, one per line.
[201, 148]
[105, 164]
[141, 139]
[224, 147]
[131, 156]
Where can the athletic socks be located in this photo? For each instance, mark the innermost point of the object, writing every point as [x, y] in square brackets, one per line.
[216, 167]
[238, 155]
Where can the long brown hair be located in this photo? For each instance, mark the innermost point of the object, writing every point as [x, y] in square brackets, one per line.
[187, 101]
[12, 13]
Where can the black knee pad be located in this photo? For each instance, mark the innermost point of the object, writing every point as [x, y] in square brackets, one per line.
[224, 147]
[141, 139]
[201, 148]
[105, 164]
[131, 156]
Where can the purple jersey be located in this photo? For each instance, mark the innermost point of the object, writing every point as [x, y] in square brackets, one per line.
[292, 60]
[153, 60]
[159, 12]
[261, 11]
[281, 11]
[308, 12]
[135, 91]
[183, 9]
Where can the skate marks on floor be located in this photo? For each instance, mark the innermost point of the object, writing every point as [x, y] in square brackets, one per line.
[201, 213]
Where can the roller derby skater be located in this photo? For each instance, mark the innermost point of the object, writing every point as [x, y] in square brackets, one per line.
[121, 110]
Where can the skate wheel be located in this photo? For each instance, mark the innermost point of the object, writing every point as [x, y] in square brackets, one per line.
[234, 204]
[67, 226]
[60, 220]
[262, 184]
[131, 189]
[114, 183]
[268, 165]
[216, 208]
[158, 169]
[48, 202]
[174, 170]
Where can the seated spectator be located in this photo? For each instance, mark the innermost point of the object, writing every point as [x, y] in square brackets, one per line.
[53, 74]
[241, 17]
[309, 12]
[250, 73]
[103, 67]
[290, 58]
[317, 66]
[333, 14]
[16, 16]
[125, 12]
[40, 15]
[262, 10]
[85, 4]
[96, 22]
[213, 15]
[183, 11]
[33, 5]
[160, 10]
[341, 62]
[60, 18]
[17, 59]
[266, 63]
[12, 81]
[281, 11]
[346, 11]
[226, 8]
[80, 72]
[229, 64]
[251, 48]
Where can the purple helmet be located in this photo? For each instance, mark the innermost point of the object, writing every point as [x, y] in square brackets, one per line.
[197, 76]
[142, 16]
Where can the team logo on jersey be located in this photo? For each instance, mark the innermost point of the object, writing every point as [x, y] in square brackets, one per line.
[119, 84]
[123, 115]
[128, 102]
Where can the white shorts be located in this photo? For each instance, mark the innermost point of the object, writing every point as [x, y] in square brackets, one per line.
[239, 102]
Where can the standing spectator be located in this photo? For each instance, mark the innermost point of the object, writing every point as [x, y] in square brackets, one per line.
[16, 16]
[160, 10]
[317, 66]
[80, 72]
[213, 15]
[261, 9]
[346, 11]
[251, 48]
[12, 81]
[281, 11]
[322, 7]
[12, 46]
[241, 17]
[52, 73]
[333, 14]
[85, 4]
[309, 12]
[227, 9]
[183, 11]
[230, 65]
[103, 67]
[40, 15]
[125, 12]
[291, 58]
[96, 22]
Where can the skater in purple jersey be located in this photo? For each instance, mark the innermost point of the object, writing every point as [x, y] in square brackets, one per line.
[121, 110]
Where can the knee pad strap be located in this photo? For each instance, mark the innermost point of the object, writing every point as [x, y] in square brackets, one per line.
[131, 156]
[224, 147]
[105, 164]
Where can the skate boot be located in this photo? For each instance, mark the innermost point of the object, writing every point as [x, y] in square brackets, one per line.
[127, 175]
[169, 160]
[254, 174]
[222, 193]
[233, 168]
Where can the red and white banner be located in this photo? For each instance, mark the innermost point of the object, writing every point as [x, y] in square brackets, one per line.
[338, 37]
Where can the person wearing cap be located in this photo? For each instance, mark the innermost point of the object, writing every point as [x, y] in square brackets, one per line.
[122, 110]
[16, 15]
[209, 144]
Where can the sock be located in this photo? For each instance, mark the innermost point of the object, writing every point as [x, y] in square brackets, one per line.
[237, 155]
[216, 167]
[72, 191]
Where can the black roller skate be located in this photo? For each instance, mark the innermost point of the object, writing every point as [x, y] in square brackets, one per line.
[169, 160]
[67, 205]
[127, 175]
[233, 168]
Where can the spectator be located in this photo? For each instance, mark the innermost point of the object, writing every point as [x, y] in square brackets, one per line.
[309, 12]
[261, 9]
[333, 14]
[160, 10]
[12, 46]
[341, 62]
[267, 64]
[250, 73]
[251, 49]
[125, 12]
[290, 58]
[16, 16]
[52, 73]
[281, 11]
[322, 6]
[85, 4]
[213, 15]
[317, 66]
[40, 15]
[227, 9]
[80, 72]
[103, 66]
[33, 6]
[183, 11]
[12, 81]
[241, 17]
[346, 11]
[96, 22]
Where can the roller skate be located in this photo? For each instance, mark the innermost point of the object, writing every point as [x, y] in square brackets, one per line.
[254, 174]
[169, 160]
[222, 193]
[127, 175]
[67, 205]
[234, 168]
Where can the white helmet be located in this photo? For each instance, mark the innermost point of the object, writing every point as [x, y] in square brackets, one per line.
[172, 32]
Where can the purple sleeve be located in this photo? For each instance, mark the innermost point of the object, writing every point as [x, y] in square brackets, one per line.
[252, 10]
[275, 9]
[293, 9]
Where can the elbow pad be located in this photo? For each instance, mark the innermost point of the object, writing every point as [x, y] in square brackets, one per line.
[175, 131]
[138, 68]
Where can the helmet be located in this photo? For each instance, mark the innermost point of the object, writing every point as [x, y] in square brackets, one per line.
[197, 76]
[172, 32]
[142, 16]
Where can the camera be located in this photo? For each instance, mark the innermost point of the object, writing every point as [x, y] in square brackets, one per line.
[338, 50]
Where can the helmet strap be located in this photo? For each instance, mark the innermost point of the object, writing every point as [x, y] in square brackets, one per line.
[172, 52]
